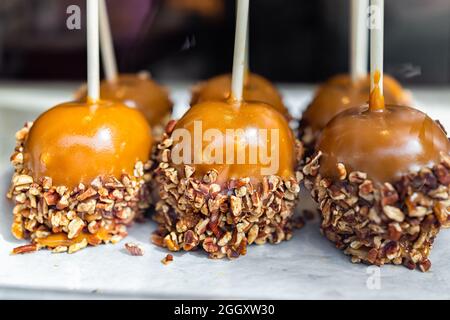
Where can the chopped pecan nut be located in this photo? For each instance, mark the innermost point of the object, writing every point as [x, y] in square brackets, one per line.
[425, 265]
[134, 249]
[75, 227]
[209, 245]
[90, 192]
[394, 213]
[342, 172]
[190, 240]
[78, 246]
[23, 179]
[389, 195]
[25, 249]
[394, 231]
[167, 259]
[236, 205]
[357, 177]
[226, 237]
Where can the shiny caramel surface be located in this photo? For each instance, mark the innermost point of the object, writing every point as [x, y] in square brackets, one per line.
[138, 91]
[249, 117]
[76, 142]
[256, 89]
[385, 144]
[340, 93]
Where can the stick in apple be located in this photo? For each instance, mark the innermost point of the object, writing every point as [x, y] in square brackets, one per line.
[93, 50]
[237, 80]
[376, 55]
[107, 45]
[358, 39]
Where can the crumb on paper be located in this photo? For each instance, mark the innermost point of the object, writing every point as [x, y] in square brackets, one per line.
[25, 249]
[167, 259]
[134, 249]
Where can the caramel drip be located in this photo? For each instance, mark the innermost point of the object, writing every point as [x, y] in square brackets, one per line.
[75, 142]
[376, 100]
[341, 93]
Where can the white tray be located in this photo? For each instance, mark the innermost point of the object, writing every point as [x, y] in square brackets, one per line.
[308, 266]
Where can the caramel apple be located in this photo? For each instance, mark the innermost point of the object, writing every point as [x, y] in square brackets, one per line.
[80, 175]
[140, 92]
[256, 88]
[338, 94]
[227, 178]
[381, 177]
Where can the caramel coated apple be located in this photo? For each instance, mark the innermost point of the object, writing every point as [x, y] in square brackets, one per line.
[256, 89]
[385, 143]
[251, 126]
[340, 93]
[140, 92]
[76, 142]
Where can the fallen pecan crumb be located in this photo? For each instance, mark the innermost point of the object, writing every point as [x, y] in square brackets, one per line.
[134, 249]
[167, 259]
[25, 249]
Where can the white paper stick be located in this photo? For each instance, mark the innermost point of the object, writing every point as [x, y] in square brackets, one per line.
[106, 44]
[93, 50]
[237, 80]
[376, 42]
[247, 41]
[358, 39]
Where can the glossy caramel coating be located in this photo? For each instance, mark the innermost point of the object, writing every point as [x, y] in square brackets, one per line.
[247, 116]
[340, 93]
[75, 142]
[385, 144]
[256, 89]
[137, 91]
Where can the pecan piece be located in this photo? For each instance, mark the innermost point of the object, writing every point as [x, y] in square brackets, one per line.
[134, 249]
[90, 192]
[75, 227]
[78, 246]
[389, 195]
[394, 231]
[425, 265]
[342, 172]
[357, 177]
[394, 213]
[167, 259]
[190, 240]
[25, 249]
[209, 245]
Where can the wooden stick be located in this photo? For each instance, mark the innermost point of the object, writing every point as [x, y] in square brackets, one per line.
[107, 44]
[358, 39]
[237, 80]
[93, 50]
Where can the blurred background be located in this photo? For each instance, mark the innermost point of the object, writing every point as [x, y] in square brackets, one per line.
[177, 40]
